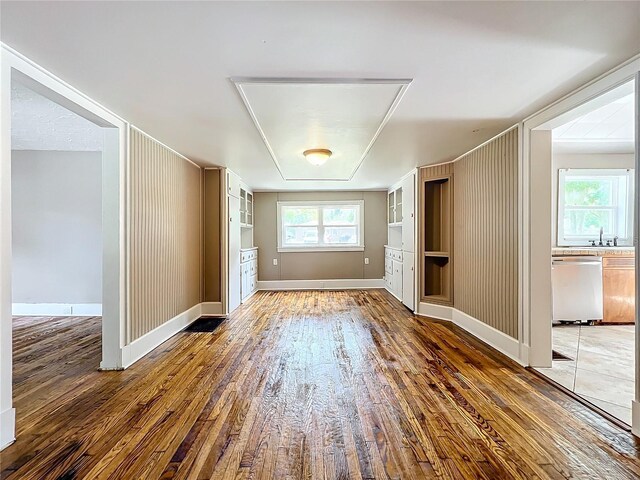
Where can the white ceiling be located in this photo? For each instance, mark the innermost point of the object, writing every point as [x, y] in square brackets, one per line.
[607, 127]
[478, 67]
[341, 115]
[37, 123]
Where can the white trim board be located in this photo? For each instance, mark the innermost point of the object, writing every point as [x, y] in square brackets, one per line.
[57, 309]
[7, 427]
[140, 347]
[502, 342]
[337, 284]
[635, 418]
[211, 308]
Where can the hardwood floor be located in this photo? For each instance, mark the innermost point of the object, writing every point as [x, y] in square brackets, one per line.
[299, 385]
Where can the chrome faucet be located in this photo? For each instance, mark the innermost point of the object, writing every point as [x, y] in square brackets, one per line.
[600, 244]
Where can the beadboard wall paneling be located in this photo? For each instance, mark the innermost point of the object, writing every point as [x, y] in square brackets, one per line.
[165, 234]
[486, 233]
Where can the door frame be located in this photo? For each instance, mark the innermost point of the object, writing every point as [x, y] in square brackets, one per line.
[536, 241]
[14, 66]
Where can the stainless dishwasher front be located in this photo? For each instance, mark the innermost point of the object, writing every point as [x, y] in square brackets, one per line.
[577, 288]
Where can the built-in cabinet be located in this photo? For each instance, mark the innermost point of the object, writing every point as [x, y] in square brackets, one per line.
[246, 207]
[400, 252]
[394, 206]
[437, 235]
[393, 268]
[248, 272]
[242, 259]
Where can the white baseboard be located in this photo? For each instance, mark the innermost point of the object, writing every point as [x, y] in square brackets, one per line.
[137, 349]
[635, 418]
[211, 308]
[7, 427]
[441, 312]
[56, 309]
[498, 340]
[337, 284]
[502, 342]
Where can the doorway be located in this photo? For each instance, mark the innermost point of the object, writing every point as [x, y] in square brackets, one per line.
[593, 254]
[16, 71]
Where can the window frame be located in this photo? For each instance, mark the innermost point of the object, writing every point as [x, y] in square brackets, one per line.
[628, 216]
[321, 246]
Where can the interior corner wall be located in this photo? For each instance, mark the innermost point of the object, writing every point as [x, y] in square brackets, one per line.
[165, 234]
[212, 245]
[486, 233]
[320, 265]
[56, 227]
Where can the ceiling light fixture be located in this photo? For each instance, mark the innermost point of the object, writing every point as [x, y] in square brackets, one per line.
[317, 156]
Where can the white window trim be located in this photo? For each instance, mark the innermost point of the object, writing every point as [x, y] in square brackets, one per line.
[321, 248]
[584, 242]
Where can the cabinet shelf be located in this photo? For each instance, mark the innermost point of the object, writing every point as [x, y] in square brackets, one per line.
[436, 254]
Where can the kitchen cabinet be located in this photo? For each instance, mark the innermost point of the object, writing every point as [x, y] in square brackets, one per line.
[618, 289]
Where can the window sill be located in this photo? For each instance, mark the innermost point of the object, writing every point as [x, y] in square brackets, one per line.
[319, 249]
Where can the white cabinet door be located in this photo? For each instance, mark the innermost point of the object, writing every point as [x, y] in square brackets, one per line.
[234, 254]
[233, 185]
[408, 213]
[397, 279]
[407, 280]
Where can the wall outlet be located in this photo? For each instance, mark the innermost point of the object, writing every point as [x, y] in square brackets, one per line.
[275, 261]
[366, 260]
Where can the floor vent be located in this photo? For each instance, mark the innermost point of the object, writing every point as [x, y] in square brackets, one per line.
[205, 324]
[560, 357]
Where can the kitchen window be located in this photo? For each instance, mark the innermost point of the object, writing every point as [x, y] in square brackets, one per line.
[320, 226]
[590, 199]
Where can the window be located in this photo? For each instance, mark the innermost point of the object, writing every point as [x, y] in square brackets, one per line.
[589, 199]
[320, 226]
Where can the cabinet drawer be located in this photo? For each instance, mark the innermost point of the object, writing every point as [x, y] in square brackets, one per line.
[388, 265]
[253, 267]
[387, 252]
[253, 283]
[396, 255]
[244, 257]
[618, 262]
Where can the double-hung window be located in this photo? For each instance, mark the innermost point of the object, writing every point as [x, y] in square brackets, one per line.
[590, 199]
[320, 226]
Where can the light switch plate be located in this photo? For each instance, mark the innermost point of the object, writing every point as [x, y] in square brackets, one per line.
[275, 261]
[366, 260]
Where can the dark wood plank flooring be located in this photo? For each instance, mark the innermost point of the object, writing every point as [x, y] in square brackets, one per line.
[299, 385]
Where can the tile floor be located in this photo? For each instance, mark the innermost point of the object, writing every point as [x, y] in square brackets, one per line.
[602, 365]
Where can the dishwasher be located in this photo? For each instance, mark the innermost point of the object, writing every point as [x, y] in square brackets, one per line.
[577, 289]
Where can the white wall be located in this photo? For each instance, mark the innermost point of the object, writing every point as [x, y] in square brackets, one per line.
[582, 160]
[56, 227]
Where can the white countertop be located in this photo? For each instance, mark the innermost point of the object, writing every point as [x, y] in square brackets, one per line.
[248, 249]
[393, 248]
[595, 251]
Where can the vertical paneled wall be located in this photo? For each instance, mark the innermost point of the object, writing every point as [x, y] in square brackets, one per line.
[486, 233]
[165, 234]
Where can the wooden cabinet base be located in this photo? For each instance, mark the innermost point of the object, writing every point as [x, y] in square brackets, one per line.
[619, 290]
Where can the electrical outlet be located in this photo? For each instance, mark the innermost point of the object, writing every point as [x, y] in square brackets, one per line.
[366, 260]
[275, 262]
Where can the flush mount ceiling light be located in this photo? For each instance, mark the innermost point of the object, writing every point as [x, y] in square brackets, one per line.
[317, 156]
